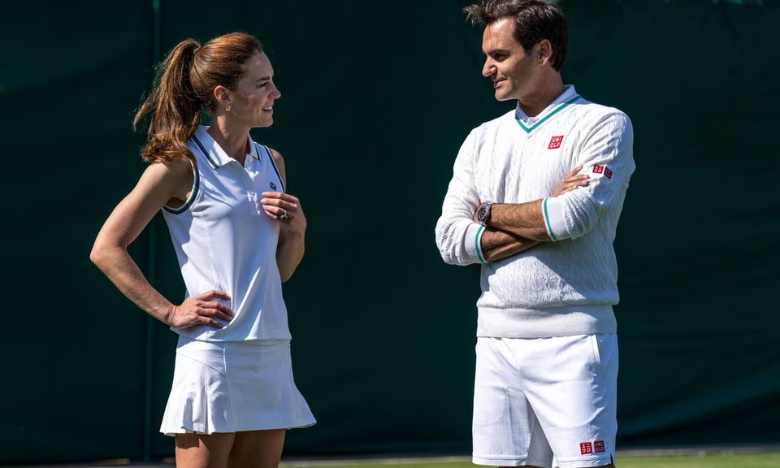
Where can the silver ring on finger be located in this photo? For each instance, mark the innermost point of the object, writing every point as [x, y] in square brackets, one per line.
[284, 215]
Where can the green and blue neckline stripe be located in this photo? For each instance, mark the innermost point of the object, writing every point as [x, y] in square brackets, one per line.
[208, 155]
[215, 163]
[561, 106]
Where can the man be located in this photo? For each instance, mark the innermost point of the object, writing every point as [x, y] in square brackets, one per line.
[546, 373]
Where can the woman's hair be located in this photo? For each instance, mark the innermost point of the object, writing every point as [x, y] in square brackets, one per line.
[184, 88]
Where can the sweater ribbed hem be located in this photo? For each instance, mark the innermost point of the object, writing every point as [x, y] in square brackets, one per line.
[546, 323]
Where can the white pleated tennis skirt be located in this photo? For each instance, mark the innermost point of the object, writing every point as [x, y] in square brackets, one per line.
[233, 387]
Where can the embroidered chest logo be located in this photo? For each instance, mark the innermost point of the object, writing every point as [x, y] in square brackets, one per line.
[273, 186]
[555, 142]
[598, 169]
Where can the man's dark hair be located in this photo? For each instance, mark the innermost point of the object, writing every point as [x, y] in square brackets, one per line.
[534, 20]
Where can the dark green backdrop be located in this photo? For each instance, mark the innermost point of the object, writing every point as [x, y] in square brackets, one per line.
[377, 97]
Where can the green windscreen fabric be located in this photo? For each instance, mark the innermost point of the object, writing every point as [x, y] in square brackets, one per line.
[696, 243]
[72, 383]
[377, 97]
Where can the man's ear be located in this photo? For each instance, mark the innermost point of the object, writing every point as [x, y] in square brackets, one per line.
[544, 51]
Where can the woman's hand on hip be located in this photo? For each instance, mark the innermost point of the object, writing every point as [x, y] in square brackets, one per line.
[201, 310]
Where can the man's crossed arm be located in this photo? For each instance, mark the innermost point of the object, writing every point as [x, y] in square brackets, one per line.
[514, 228]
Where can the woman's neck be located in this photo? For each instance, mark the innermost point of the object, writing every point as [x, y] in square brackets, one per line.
[232, 140]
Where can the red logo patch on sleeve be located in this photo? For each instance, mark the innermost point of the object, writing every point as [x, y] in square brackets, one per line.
[598, 446]
[586, 448]
[599, 169]
[555, 142]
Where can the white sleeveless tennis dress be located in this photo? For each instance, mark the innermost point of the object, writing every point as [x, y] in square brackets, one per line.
[239, 377]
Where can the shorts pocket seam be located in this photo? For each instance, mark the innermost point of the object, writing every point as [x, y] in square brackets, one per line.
[594, 340]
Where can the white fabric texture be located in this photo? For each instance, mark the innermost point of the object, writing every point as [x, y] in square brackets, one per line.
[224, 241]
[536, 397]
[561, 288]
[222, 387]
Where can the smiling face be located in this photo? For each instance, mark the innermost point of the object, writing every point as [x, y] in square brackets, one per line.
[251, 104]
[513, 70]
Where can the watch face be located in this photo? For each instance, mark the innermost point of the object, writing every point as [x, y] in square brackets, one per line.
[482, 213]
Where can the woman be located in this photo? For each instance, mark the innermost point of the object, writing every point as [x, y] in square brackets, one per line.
[237, 235]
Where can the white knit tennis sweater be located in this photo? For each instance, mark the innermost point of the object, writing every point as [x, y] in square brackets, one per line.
[560, 288]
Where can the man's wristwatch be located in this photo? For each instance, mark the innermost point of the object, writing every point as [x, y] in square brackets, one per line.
[483, 212]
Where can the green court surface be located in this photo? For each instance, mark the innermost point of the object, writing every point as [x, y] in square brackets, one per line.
[709, 461]
[771, 460]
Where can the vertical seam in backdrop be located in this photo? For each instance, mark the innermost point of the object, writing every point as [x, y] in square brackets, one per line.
[151, 255]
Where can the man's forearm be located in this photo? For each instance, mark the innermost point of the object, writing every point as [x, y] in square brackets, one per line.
[525, 220]
[497, 245]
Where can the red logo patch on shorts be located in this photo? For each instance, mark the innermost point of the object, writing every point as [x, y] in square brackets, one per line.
[555, 142]
[598, 446]
[586, 448]
[598, 169]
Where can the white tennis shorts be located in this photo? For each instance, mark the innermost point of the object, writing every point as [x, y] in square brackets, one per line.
[232, 387]
[535, 399]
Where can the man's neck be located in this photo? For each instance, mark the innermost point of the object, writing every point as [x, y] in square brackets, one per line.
[541, 98]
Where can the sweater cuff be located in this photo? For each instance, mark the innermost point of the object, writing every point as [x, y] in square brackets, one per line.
[473, 242]
[555, 219]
